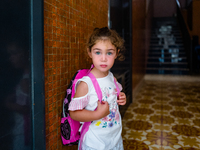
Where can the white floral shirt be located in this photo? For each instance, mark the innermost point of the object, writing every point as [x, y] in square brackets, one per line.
[105, 133]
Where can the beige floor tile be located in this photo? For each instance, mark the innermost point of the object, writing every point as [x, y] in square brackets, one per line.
[164, 115]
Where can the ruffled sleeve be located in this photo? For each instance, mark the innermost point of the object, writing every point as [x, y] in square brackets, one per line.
[119, 86]
[79, 103]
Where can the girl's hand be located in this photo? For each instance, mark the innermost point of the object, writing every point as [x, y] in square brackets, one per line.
[102, 109]
[121, 98]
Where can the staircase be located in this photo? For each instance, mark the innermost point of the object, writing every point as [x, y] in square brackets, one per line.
[166, 53]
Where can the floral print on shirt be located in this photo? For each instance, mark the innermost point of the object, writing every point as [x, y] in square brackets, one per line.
[114, 117]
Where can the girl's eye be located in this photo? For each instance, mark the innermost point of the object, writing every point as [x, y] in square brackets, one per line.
[98, 53]
[109, 53]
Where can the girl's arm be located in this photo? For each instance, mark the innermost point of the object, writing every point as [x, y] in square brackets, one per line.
[87, 115]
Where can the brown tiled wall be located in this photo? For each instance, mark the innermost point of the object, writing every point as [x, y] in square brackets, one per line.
[67, 24]
[138, 41]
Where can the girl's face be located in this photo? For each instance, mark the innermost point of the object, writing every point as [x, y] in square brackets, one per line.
[103, 55]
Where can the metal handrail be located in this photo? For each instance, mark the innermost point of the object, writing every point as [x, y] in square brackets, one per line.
[186, 36]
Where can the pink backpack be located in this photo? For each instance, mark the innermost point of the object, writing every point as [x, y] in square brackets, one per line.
[70, 134]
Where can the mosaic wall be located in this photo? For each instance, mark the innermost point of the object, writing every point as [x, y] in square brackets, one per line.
[67, 24]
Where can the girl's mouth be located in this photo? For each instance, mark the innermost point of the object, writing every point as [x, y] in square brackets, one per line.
[103, 66]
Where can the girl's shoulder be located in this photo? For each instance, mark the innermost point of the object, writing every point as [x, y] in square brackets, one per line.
[81, 89]
[83, 83]
[85, 79]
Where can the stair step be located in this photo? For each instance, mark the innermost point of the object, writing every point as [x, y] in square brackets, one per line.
[170, 63]
[167, 65]
[166, 55]
[158, 25]
[161, 40]
[171, 32]
[167, 69]
[168, 59]
[157, 38]
[175, 36]
[164, 35]
[174, 72]
[162, 51]
[171, 50]
[169, 27]
[169, 46]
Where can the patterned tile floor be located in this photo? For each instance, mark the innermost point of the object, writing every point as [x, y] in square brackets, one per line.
[164, 115]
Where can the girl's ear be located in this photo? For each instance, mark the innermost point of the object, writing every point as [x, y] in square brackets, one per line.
[117, 53]
[89, 53]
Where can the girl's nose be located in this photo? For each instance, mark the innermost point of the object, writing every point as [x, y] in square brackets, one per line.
[103, 57]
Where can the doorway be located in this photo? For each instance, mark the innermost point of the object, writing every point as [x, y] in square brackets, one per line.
[21, 75]
[120, 21]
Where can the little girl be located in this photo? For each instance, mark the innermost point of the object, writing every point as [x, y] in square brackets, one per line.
[104, 133]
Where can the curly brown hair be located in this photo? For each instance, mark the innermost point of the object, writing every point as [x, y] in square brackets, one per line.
[107, 34]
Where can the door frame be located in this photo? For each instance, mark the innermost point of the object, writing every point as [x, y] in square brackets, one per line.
[37, 74]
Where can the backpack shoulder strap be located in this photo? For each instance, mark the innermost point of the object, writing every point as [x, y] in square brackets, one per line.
[96, 86]
[86, 125]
